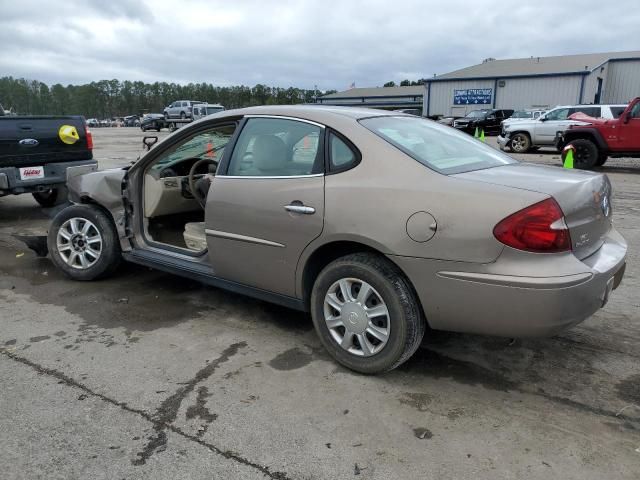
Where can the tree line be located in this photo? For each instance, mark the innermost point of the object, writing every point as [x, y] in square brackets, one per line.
[115, 98]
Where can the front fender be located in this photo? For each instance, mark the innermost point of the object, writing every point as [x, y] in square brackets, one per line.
[103, 188]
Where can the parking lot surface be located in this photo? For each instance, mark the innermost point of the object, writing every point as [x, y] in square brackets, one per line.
[148, 375]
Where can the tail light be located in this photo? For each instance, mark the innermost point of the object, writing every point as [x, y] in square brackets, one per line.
[87, 133]
[538, 228]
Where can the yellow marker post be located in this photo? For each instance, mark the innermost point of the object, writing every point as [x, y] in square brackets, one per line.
[482, 135]
[568, 159]
[68, 134]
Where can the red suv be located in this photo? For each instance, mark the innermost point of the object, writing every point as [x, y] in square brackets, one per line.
[601, 138]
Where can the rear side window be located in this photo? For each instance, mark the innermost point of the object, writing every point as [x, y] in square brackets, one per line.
[341, 155]
[436, 146]
[591, 111]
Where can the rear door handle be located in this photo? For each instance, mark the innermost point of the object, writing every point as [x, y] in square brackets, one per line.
[297, 208]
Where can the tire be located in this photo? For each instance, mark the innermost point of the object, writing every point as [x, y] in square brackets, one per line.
[520, 143]
[51, 198]
[586, 153]
[403, 323]
[75, 217]
[183, 115]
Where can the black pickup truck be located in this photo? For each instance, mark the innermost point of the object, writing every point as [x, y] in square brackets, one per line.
[37, 154]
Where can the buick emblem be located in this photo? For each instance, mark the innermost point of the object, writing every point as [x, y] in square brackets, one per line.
[353, 318]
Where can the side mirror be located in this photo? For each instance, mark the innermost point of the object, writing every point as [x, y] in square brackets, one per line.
[149, 142]
[627, 117]
[542, 118]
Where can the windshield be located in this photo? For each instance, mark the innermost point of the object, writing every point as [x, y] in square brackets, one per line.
[522, 114]
[436, 146]
[211, 110]
[477, 114]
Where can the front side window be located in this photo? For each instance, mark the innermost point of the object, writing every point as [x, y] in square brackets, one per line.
[478, 114]
[270, 147]
[558, 114]
[208, 144]
[438, 147]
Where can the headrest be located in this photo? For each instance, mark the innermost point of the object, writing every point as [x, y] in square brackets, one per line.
[269, 154]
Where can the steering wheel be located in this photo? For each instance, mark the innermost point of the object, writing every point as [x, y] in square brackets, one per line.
[192, 180]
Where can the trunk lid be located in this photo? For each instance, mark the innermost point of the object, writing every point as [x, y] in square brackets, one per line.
[30, 141]
[585, 197]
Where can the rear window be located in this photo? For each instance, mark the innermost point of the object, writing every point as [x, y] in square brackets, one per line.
[436, 146]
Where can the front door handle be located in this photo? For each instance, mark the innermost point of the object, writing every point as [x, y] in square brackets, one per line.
[299, 208]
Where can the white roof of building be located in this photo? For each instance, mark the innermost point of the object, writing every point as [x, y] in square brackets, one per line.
[561, 64]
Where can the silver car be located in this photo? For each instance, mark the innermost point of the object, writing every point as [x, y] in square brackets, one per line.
[377, 223]
[180, 109]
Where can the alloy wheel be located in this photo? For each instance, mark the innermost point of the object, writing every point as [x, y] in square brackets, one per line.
[79, 243]
[357, 317]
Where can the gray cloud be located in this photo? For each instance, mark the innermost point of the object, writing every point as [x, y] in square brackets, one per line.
[301, 43]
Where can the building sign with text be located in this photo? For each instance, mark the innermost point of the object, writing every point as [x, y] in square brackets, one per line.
[473, 96]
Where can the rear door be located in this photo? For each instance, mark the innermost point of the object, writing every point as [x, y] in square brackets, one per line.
[267, 203]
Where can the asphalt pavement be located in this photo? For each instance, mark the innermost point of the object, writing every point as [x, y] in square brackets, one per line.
[147, 375]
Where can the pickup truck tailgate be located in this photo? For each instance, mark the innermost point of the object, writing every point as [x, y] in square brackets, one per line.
[30, 141]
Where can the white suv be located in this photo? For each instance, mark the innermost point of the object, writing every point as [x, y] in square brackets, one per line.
[523, 136]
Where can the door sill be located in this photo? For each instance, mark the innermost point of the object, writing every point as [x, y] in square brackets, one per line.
[205, 274]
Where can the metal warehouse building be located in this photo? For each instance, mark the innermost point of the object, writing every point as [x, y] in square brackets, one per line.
[380, 97]
[536, 82]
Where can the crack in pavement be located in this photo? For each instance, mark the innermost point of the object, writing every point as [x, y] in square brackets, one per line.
[167, 412]
[153, 418]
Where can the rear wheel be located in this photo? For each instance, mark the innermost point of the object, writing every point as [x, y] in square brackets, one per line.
[586, 153]
[51, 198]
[520, 143]
[366, 313]
[183, 115]
[83, 243]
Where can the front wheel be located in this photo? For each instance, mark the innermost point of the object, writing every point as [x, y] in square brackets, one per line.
[520, 143]
[586, 153]
[83, 243]
[366, 313]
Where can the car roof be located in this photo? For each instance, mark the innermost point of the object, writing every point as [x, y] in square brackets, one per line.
[318, 113]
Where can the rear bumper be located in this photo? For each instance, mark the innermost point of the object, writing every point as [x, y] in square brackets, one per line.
[515, 305]
[54, 174]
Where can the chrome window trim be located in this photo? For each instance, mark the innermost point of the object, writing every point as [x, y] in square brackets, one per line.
[271, 177]
[242, 238]
[285, 117]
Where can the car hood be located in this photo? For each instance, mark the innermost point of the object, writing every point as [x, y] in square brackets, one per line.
[586, 119]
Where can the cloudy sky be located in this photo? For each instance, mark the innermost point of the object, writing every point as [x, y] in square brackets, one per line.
[301, 43]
